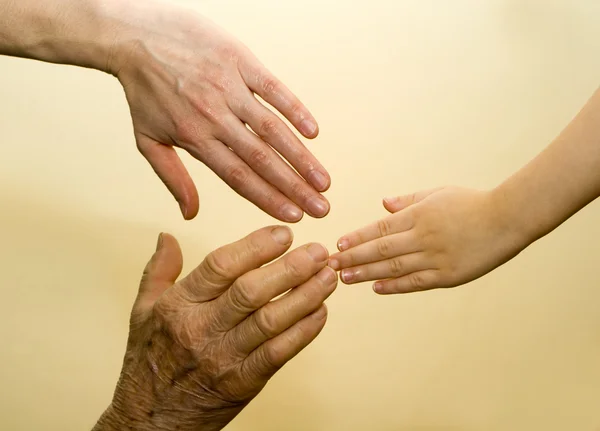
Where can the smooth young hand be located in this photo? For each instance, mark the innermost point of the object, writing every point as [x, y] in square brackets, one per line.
[433, 239]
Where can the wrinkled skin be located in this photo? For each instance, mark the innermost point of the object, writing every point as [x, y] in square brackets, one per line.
[438, 238]
[191, 85]
[201, 349]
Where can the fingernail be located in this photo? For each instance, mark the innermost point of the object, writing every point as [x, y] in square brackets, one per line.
[319, 314]
[348, 275]
[291, 212]
[282, 235]
[390, 201]
[378, 287]
[317, 252]
[343, 244]
[159, 242]
[327, 276]
[308, 127]
[334, 264]
[317, 206]
[318, 180]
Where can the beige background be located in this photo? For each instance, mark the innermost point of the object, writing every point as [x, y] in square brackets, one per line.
[409, 94]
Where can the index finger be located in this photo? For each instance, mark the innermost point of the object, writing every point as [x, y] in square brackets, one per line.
[223, 266]
[395, 223]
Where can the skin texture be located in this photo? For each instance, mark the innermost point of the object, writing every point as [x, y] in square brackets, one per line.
[201, 349]
[450, 236]
[189, 85]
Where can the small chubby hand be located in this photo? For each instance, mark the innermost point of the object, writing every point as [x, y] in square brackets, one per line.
[191, 85]
[434, 239]
[202, 348]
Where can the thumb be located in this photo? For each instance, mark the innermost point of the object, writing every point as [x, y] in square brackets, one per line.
[399, 203]
[171, 170]
[160, 273]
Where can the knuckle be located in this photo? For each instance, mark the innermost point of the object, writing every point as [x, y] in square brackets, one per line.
[219, 81]
[268, 127]
[294, 268]
[206, 109]
[164, 311]
[218, 262]
[185, 130]
[266, 323]
[255, 246]
[270, 85]
[417, 281]
[383, 227]
[230, 52]
[297, 107]
[396, 266]
[298, 188]
[271, 359]
[304, 161]
[237, 176]
[244, 297]
[259, 159]
[383, 247]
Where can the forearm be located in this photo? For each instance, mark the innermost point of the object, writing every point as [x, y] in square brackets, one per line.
[76, 32]
[560, 181]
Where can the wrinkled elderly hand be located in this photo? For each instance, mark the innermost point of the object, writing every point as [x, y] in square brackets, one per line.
[201, 349]
[191, 85]
[433, 239]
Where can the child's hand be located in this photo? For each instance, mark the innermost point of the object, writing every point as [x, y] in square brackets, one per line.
[434, 239]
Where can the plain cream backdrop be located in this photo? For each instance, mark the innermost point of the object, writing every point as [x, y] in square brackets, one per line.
[409, 94]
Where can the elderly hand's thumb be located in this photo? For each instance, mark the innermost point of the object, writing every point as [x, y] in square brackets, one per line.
[160, 273]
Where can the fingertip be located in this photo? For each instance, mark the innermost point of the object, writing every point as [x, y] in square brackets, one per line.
[391, 204]
[319, 180]
[309, 128]
[320, 314]
[348, 276]
[318, 252]
[318, 207]
[378, 288]
[291, 213]
[282, 235]
[334, 263]
[327, 276]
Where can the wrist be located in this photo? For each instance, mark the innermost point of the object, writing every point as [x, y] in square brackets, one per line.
[143, 407]
[511, 217]
[79, 33]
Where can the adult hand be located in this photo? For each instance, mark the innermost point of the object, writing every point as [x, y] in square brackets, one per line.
[433, 239]
[193, 86]
[201, 349]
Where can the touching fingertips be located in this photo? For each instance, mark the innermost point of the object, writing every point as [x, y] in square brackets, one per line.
[282, 235]
[291, 213]
[334, 264]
